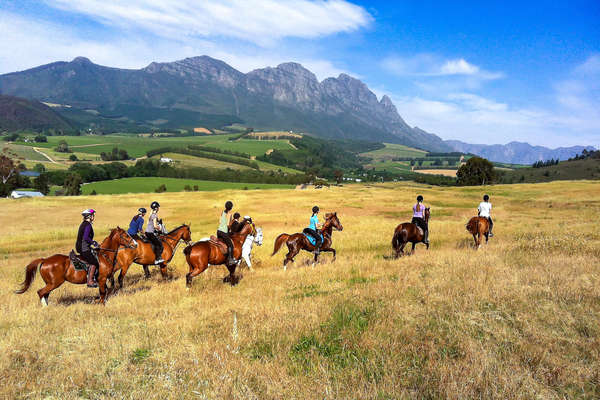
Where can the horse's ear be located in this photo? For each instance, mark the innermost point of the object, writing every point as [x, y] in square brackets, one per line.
[335, 213]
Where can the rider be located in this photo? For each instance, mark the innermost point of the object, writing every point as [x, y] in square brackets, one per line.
[136, 226]
[485, 209]
[152, 228]
[235, 224]
[313, 227]
[84, 246]
[223, 231]
[419, 218]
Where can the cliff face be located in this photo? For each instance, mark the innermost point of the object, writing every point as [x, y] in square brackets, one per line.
[286, 97]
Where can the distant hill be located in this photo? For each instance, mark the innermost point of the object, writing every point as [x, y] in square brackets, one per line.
[565, 170]
[517, 152]
[202, 91]
[17, 114]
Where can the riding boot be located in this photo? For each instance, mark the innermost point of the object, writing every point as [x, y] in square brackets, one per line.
[491, 227]
[91, 277]
[426, 238]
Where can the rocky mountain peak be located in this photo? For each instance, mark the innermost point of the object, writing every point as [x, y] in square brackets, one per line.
[81, 60]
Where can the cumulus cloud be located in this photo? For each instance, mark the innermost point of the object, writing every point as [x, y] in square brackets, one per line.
[430, 65]
[258, 21]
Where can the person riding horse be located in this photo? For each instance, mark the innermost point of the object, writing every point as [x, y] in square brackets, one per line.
[136, 226]
[85, 244]
[152, 230]
[484, 210]
[312, 229]
[223, 231]
[419, 218]
[236, 225]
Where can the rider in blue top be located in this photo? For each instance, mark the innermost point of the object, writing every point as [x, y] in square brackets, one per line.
[313, 229]
[137, 224]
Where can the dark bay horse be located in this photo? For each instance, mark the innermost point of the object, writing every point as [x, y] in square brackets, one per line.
[479, 227]
[409, 232]
[204, 253]
[57, 269]
[143, 254]
[298, 241]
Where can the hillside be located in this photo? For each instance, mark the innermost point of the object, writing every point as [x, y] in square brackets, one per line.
[517, 152]
[518, 319]
[18, 113]
[565, 170]
[202, 91]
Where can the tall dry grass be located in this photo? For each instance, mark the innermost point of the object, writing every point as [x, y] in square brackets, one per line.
[518, 319]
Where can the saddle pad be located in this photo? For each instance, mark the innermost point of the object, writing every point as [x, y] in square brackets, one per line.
[218, 243]
[420, 230]
[78, 264]
[312, 240]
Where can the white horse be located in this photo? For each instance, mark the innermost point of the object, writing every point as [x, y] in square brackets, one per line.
[247, 246]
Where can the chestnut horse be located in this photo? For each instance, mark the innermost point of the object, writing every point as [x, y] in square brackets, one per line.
[299, 241]
[479, 227]
[200, 254]
[144, 254]
[409, 232]
[57, 269]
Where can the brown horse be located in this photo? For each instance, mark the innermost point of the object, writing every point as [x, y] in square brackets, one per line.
[57, 269]
[204, 253]
[299, 241]
[409, 232]
[479, 227]
[143, 254]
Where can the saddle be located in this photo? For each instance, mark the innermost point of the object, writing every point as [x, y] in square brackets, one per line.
[218, 243]
[77, 262]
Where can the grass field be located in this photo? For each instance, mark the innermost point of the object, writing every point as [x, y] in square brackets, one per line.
[392, 151]
[184, 161]
[519, 319]
[148, 185]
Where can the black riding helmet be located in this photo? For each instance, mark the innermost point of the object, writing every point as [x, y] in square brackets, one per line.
[228, 205]
[315, 209]
[419, 198]
[142, 210]
[154, 205]
[236, 215]
[486, 197]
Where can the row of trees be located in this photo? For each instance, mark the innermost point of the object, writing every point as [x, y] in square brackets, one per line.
[547, 163]
[115, 155]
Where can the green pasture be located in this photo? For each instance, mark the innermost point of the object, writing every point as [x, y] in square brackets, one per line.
[23, 152]
[392, 150]
[184, 160]
[148, 185]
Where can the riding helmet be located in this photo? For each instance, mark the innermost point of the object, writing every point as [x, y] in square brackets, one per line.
[142, 210]
[228, 205]
[236, 215]
[419, 198]
[154, 205]
[315, 209]
[88, 212]
[486, 197]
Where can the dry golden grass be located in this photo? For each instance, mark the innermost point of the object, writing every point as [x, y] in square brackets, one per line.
[518, 319]
[445, 172]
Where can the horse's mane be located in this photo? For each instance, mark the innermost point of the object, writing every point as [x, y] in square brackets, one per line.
[173, 230]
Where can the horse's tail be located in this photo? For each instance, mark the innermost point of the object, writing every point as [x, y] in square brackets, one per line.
[30, 271]
[187, 250]
[279, 241]
[395, 240]
[473, 225]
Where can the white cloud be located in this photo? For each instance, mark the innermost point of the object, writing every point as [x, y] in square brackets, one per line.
[430, 65]
[258, 21]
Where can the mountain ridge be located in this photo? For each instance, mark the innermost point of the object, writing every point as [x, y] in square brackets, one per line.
[288, 96]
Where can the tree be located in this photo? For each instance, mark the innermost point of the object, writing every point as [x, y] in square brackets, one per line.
[72, 184]
[41, 139]
[41, 184]
[7, 168]
[161, 189]
[39, 168]
[339, 175]
[73, 157]
[477, 171]
[62, 147]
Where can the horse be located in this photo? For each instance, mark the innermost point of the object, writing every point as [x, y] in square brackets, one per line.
[409, 232]
[201, 254]
[57, 269]
[247, 246]
[299, 241]
[478, 227]
[144, 254]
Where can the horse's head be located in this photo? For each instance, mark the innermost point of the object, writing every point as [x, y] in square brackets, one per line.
[258, 238]
[186, 234]
[332, 218]
[123, 238]
[427, 214]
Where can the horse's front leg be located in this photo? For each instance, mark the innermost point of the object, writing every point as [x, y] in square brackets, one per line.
[146, 272]
[330, 250]
[292, 252]
[102, 289]
[163, 270]
[412, 250]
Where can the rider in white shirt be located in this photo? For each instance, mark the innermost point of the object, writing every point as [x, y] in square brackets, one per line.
[485, 209]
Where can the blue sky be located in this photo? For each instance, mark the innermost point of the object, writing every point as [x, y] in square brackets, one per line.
[482, 72]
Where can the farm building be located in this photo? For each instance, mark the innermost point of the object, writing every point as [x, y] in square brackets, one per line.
[166, 160]
[18, 194]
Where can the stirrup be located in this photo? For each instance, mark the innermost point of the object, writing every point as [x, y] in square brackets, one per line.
[159, 261]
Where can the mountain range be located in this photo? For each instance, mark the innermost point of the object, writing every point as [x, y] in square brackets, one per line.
[203, 91]
[517, 152]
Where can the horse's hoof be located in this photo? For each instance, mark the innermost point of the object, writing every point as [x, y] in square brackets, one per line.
[44, 302]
